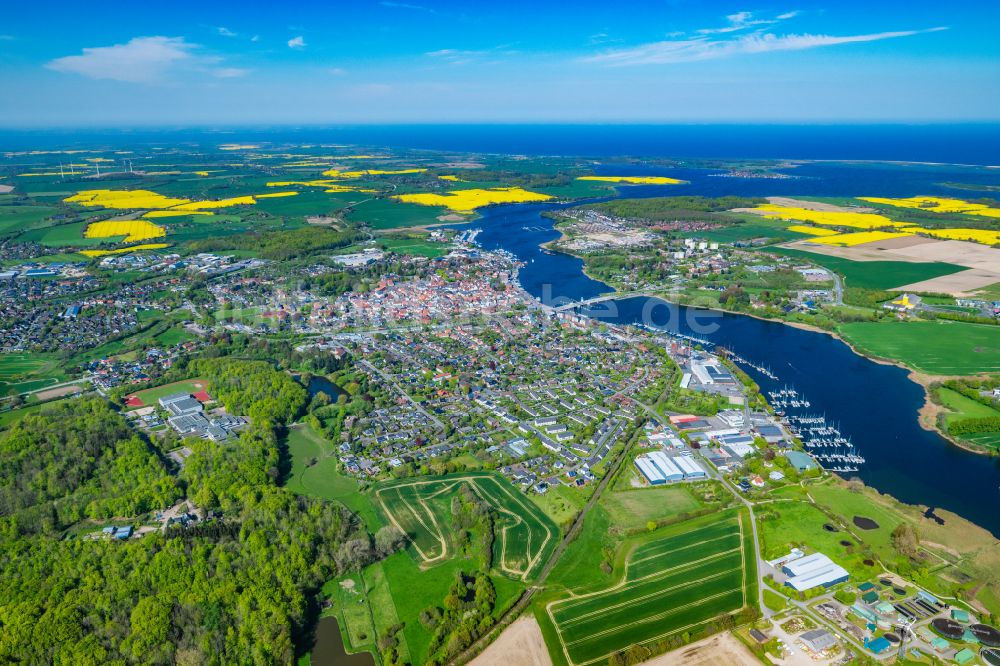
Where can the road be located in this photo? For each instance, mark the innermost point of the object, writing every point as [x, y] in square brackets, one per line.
[838, 289]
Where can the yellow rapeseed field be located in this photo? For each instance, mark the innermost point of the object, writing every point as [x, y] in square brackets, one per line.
[333, 173]
[858, 238]
[124, 199]
[635, 180]
[454, 179]
[984, 236]
[275, 195]
[221, 203]
[466, 202]
[829, 218]
[812, 231]
[133, 230]
[125, 250]
[174, 213]
[938, 205]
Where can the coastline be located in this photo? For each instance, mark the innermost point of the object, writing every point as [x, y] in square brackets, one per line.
[926, 414]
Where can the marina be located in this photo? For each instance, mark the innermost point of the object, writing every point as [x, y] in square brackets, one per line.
[875, 405]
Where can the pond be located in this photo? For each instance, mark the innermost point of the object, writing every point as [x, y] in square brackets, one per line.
[329, 649]
[319, 383]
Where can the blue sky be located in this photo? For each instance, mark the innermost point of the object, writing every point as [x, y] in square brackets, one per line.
[210, 62]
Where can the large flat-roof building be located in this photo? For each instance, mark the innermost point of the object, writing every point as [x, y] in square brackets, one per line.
[659, 468]
[814, 570]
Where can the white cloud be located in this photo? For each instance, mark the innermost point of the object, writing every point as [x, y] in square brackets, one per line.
[464, 56]
[406, 5]
[229, 72]
[707, 48]
[744, 20]
[255, 38]
[226, 32]
[144, 60]
[297, 43]
[140, 60]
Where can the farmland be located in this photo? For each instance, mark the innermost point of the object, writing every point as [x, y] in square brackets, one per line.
[934, 347]
[672, 581]
[875, 274]
[525, 536]
[26, 372]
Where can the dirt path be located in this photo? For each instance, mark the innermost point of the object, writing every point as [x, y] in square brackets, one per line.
[521, 643]
[719, 650]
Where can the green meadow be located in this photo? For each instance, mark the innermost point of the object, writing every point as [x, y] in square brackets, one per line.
[934, 347]
[874, 274]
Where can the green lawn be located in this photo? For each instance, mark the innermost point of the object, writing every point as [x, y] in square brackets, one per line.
[874, 274]
[65, 235]
[934, 347]
[964, 408]
[560, 503]
[748, 230]
[787, 524]
[400, 589]
[22, 218]
[173, 336]
[390, 214]
[635, 507]
[323, 479]
[414, 246]
[22, 372]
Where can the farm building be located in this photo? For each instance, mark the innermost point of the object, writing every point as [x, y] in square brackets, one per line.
[818, 640]
[812, 571]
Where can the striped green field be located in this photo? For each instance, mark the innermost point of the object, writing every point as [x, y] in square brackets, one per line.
[674, 583]
[421, 508]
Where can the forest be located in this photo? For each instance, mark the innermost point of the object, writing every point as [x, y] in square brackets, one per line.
[238, 589]
[668, 209]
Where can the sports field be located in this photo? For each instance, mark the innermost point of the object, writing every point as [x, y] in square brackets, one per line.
[694, 572]
[421, 509]
[934, 347]
[150, 396]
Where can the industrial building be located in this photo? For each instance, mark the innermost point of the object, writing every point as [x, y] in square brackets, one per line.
[818, 640]
[659, 468]
[805, 573]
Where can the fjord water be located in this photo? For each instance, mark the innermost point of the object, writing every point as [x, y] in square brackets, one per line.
[874, 404]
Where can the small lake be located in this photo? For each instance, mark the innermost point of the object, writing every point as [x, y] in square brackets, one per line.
[320, 384]
[329, 648]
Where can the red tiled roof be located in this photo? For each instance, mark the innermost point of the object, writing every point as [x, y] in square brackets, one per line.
[202, 396]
